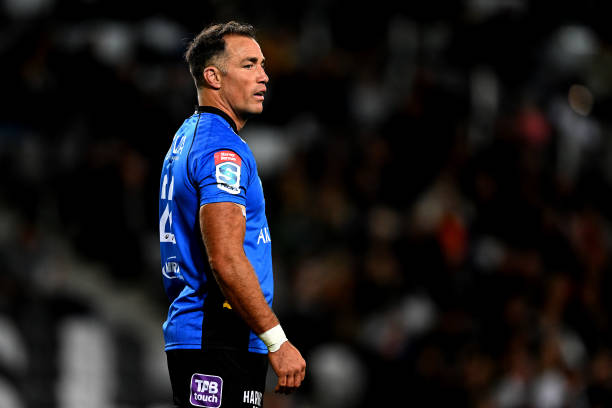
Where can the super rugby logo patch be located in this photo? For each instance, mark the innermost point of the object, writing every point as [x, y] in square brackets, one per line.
[227, 171]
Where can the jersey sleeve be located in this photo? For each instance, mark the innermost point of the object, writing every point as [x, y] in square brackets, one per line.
[221, 176]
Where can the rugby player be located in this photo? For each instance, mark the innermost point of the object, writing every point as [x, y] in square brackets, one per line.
[221, 332]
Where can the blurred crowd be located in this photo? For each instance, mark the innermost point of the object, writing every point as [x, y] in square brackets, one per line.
[438, 182]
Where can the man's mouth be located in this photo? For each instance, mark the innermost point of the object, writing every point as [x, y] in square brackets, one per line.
[260, 95]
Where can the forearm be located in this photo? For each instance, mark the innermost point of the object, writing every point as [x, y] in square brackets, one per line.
[240, 286]
[223, 229]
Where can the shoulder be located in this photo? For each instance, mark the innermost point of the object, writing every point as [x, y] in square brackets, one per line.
[214, 137]
[213, 131]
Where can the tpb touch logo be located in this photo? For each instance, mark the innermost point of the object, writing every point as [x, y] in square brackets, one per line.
[206, 390]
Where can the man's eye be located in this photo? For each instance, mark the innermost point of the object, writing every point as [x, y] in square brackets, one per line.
[248, 66]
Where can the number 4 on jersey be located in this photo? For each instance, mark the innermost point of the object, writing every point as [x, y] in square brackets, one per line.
[166, 235]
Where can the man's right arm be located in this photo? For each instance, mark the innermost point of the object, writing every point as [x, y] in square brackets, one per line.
[223, 227]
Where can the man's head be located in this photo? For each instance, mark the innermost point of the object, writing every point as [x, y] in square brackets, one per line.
[227, 65]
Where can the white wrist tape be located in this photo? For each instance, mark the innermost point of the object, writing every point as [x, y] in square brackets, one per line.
[273, 338]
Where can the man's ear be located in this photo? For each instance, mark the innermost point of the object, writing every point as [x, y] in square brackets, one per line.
[212, 76]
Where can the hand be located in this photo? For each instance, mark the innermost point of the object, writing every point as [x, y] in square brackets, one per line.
[289, 366]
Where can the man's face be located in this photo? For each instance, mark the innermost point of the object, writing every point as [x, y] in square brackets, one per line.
[244, 82]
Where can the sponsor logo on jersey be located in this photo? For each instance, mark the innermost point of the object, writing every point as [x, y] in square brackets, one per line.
[179, 143]
[171, 269]
[252, 397]
[264, 236]
[206, 390]
[227, 173]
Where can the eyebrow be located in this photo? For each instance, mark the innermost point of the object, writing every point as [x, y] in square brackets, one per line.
[254, 60]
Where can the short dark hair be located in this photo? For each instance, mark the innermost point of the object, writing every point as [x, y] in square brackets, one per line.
[210, 44]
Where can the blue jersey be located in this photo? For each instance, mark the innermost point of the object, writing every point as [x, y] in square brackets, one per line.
[208, 163]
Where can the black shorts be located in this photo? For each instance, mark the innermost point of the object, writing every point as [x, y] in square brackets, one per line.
[217, 378]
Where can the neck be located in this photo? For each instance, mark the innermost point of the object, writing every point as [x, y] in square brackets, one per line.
[213, 99]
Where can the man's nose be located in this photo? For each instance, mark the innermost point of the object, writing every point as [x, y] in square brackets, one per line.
[263, 77]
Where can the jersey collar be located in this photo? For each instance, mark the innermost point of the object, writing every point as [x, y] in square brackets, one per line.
[217, 111]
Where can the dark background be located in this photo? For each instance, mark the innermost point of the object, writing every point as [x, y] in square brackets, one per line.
[438, 185]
